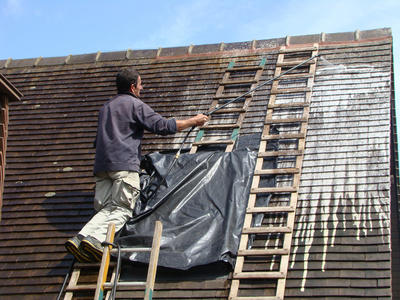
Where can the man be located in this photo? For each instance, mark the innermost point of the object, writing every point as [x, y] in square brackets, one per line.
[121, 123]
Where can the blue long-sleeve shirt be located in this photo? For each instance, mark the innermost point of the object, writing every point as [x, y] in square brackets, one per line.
[121, 123]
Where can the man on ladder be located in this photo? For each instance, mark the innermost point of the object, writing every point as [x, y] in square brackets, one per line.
[121, 124]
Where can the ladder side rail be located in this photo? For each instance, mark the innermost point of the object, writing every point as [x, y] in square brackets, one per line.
[105, 261]
[296, 180]
[155, 251]
[73, 281]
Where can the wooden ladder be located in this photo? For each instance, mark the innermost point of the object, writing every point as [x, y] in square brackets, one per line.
[103, 267]
[227, 121]
[262, 264]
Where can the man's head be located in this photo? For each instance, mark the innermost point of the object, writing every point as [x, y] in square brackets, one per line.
[128, 80]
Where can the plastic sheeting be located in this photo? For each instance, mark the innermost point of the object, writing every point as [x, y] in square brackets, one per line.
[201, 204]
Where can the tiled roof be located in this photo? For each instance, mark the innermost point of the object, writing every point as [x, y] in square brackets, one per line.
[342, 241]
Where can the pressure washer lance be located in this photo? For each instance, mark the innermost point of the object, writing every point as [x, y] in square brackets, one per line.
[215, 110]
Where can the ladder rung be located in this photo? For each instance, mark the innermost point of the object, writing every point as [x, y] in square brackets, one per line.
[277, 171]
[283, 136]
[235, 82]
[295, 63]
[289, 105]
[291, 90]
[250, 275]
[230, 110]
[125, 284]
[130, 250]
[273, 190]
[280, 153]
[262, 252]
[239, 69]
[296, 76]
[270, 209]
[220, 126]
[255, 230]
[221, 142]
[285, 121]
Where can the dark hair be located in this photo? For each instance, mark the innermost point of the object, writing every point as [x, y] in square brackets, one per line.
[125, 78]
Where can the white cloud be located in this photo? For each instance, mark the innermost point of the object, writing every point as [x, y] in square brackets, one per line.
[13, 7]
[183, 22]
[313, 17]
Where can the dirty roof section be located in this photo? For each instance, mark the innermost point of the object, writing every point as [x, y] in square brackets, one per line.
[342, 242]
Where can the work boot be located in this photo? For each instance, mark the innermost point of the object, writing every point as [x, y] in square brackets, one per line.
[93, 246]
[72, 246]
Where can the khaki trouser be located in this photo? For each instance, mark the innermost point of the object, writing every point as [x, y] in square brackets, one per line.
[115, 197]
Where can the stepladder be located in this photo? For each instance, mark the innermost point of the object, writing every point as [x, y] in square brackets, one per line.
[89, 278]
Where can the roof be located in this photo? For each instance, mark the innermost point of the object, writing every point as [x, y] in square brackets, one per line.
[343, 240]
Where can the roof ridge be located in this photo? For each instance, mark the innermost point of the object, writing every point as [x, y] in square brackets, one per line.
[194, 50]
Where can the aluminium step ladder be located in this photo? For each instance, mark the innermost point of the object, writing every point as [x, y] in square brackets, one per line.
[226, 122]
[103, 267]
[262, 264]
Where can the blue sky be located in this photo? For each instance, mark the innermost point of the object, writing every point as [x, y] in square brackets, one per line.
[51, 28]
[47, 28]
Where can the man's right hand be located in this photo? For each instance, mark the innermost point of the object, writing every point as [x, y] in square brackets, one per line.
[198, 120]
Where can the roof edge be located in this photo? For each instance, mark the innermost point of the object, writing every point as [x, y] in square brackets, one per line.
[7, 88]
[192, 50]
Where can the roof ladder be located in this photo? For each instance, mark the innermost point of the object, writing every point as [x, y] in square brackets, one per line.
[103, 268]
[263, 258]
[227, 121]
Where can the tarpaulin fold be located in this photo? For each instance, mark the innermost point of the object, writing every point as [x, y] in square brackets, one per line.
[201, 204]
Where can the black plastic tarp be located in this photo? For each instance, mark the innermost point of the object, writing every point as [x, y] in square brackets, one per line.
[201, 205]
